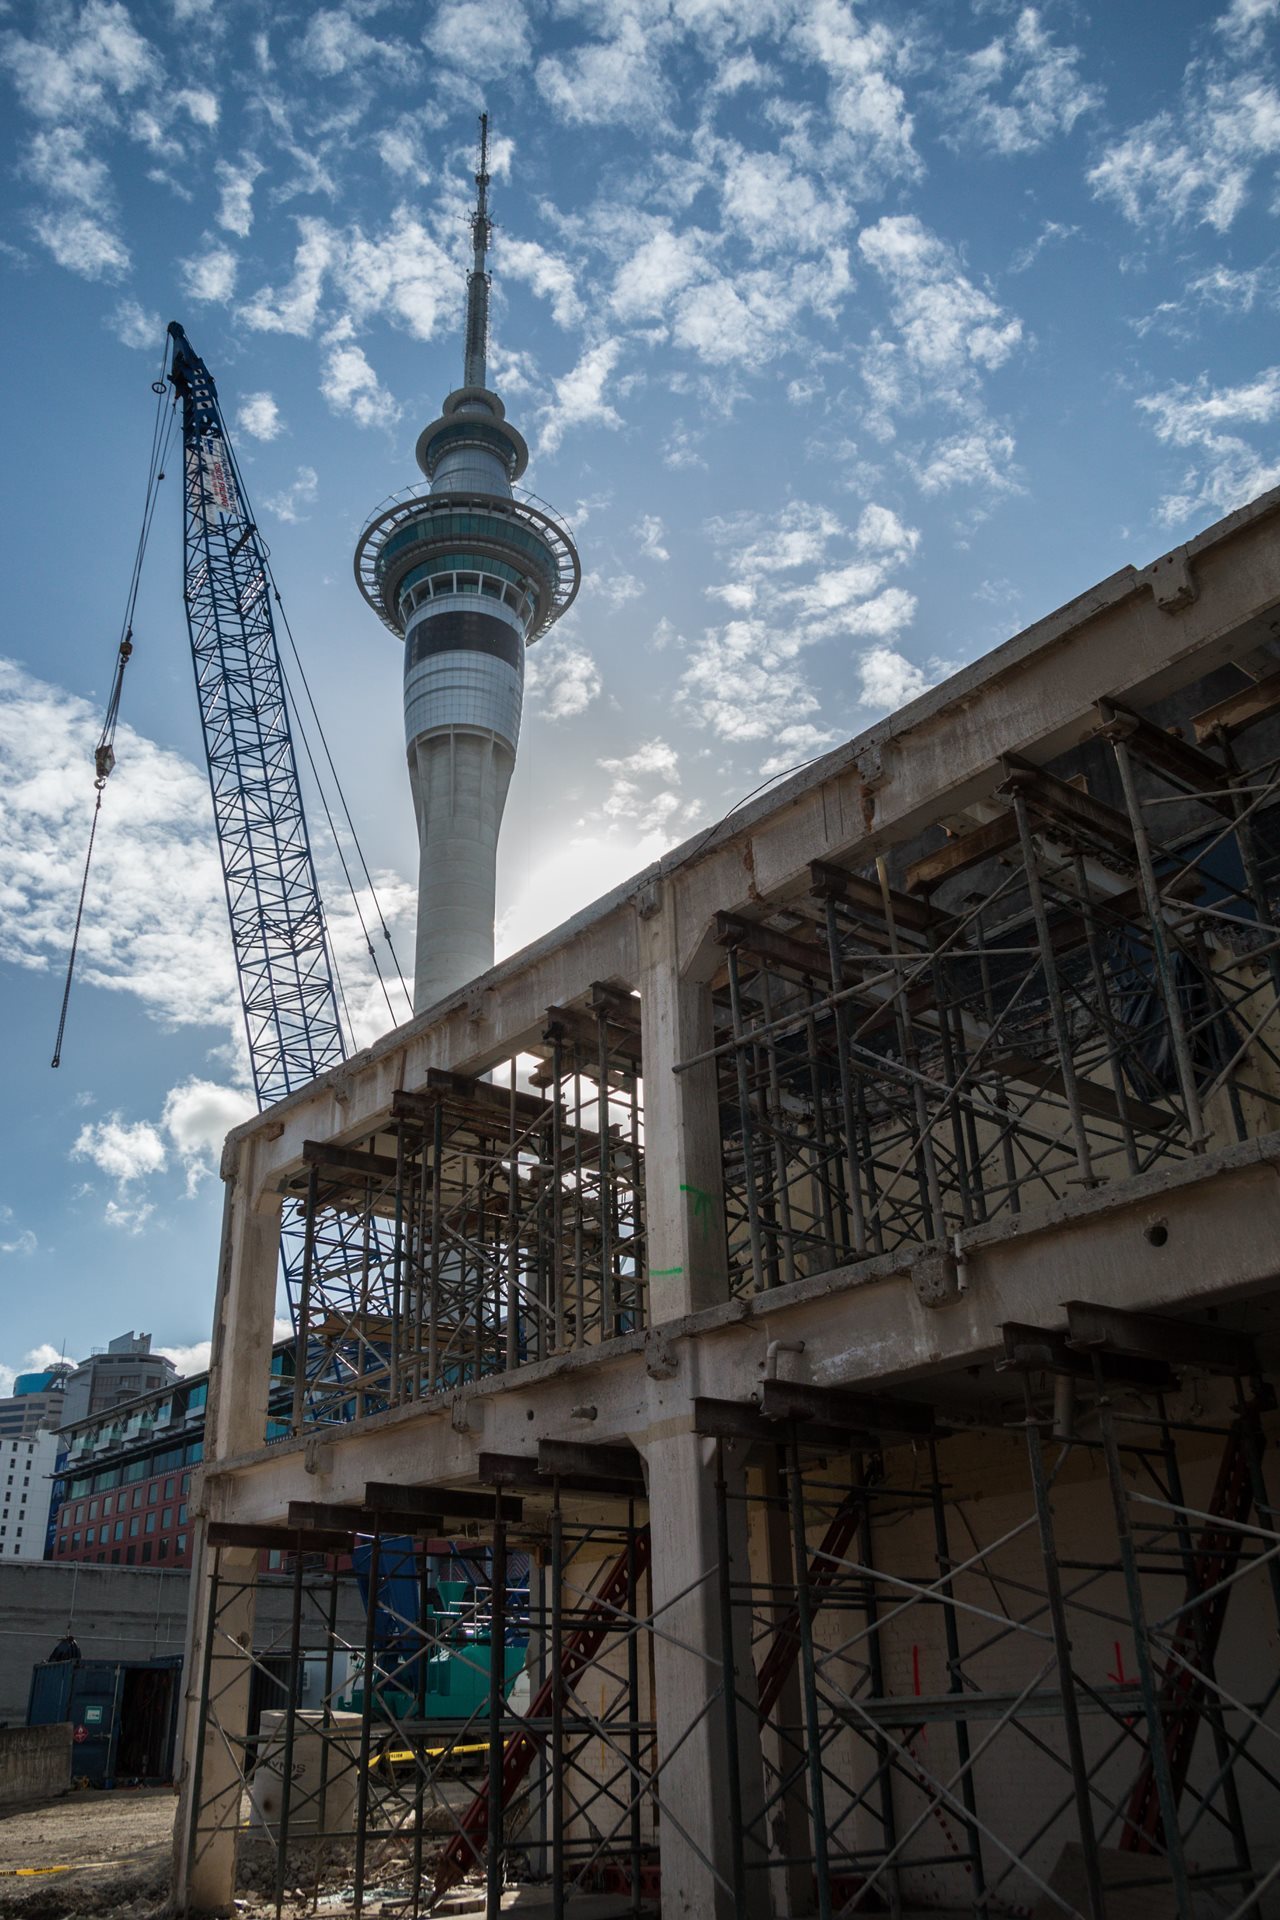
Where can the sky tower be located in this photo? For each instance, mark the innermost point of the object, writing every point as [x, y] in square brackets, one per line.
[467, 575]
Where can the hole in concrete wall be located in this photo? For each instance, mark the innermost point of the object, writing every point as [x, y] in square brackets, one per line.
[1157, 1233]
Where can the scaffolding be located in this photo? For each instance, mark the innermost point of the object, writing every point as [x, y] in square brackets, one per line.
[491, 1223]
[362, 1775]
[957, 1730]
[1073, 990]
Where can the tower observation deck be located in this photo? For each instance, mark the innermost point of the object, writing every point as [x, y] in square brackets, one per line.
[468, 574]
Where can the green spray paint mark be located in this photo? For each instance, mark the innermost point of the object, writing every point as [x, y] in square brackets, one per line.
[664, 1273]
[702, 1203]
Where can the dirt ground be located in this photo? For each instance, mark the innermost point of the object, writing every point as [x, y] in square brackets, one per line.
[86, 1854]
[111, 1853]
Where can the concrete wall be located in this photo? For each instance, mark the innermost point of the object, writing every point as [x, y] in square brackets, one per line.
[116, 1613]
[35, 1763]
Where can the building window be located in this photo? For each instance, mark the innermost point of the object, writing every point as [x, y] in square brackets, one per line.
[186, 1483]
[168, 1490]
[137, 1497]
[166, 1518]
[151, 1523]
[162, 1551]
[115, 1556]
[182, 1514]
[118, 1535]
[129, 1555]
[75, 1539]
[146, 1551]
[106, 1506]
[153, 1493]
[134, 1530]
[93, 1509]
[88, 1536]
[180, 1545]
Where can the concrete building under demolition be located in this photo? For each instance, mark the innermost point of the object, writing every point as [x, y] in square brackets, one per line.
[845, 1259]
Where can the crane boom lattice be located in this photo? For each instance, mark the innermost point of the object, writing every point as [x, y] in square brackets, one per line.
[277, 921]
[337, 1282]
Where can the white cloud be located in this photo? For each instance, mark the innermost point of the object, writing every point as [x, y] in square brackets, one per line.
[1019, 91]
[1226, 469]
[981, 457]
[791, 582]
[775, 205]
[949, 327]
[126, 1216]
[164, 939]
[124, 1150]
[550, 277]
[289, 502]
[481, 40]
[887, 679]
[187, 1360]
[617, 588]
[1245, 22]
[580, 396]
[650, 532]
[795, 747]
[198, 104]
[1196, 163]
[86, 62]
[617, 81]
[21, 1242]
[134, 328]
[657, 269]
[236, 183]
[400, 151]
[562, 678]
[867, 134]
[209, 276]
[198, 1115]
[83, 244]
[295, 309]
[351, 386]
[879, 530]
[335, 43]
[38, 1360]
[259, 416]
[642, 791]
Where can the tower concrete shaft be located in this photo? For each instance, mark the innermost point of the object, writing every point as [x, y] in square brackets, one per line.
[467, 574]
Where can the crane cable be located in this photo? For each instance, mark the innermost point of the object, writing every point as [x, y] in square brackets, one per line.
[364, 865]
[104, 757]
[319, 785]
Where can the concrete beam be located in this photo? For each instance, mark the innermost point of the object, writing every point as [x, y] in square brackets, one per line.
[1193, 1235]
[1133, 638]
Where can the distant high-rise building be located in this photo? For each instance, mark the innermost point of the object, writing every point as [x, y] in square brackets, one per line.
[35, 1403]
[467, 575]
[104, 1380]
[26, 1489]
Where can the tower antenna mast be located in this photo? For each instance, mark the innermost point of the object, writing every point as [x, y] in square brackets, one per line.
[476, 351]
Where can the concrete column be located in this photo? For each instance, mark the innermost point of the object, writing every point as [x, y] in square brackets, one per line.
[220, 1624]
[219, 1638]
[684, 1180]
[696, 1828]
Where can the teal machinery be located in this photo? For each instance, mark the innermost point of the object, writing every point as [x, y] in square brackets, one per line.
[432, 1640]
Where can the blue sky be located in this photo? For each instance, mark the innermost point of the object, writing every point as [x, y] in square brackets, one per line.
[849, 338]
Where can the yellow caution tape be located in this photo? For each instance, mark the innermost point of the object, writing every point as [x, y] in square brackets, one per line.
[33, 1873]
[428, 1753]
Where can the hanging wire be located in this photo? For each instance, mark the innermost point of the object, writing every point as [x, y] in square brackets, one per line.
[104, 756]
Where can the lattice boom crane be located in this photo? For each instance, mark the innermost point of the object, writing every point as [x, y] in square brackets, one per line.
[277, 921]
